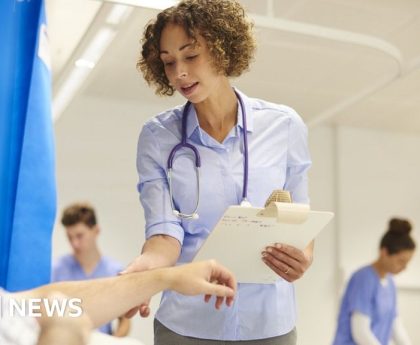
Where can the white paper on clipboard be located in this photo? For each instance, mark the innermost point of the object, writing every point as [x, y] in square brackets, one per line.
[243, 232]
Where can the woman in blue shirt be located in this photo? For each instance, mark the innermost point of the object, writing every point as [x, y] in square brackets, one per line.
[194, 48]
[368, 314]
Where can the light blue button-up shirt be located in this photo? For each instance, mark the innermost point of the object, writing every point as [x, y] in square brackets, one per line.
[278, 159]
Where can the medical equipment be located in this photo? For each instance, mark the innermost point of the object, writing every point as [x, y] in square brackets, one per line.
[184, 144]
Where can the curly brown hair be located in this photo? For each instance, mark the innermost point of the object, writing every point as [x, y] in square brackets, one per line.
[223, 25]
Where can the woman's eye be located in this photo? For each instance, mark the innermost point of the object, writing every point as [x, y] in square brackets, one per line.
[168, 63]
[192, 57]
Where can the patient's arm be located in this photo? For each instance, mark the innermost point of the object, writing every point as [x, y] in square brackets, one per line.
[106, 299]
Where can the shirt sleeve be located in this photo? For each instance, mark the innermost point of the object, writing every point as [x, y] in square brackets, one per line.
[360, 330]
[360, 294]
[298, 160]
[154, 190]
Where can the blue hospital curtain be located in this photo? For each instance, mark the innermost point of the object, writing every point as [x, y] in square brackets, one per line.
[27, 169]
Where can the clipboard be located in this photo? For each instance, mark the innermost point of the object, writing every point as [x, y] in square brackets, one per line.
[243, 232]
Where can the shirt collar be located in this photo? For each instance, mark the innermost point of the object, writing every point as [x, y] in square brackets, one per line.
[192, 121]
[248, 111]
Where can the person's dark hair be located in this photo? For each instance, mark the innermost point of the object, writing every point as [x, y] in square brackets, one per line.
[79, 213]
[223, 25]
[397, 238]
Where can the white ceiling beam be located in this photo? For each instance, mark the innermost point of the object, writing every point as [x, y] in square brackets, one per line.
[333, 34]
[341, 36]
[333, 111]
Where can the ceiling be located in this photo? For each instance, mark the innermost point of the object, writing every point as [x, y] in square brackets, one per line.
[354, 63]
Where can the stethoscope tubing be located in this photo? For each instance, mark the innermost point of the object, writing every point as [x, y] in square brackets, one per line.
[184, 144]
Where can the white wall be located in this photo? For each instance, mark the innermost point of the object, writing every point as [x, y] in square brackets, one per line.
[316, 291]
[365, 177]
[377, 177]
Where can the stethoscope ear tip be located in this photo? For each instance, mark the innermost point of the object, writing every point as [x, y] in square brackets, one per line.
[176, 213]
[195, 216]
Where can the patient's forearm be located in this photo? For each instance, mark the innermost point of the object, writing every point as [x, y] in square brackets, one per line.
[106, 299]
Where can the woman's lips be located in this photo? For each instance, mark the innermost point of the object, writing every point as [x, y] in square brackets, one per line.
[187, 90]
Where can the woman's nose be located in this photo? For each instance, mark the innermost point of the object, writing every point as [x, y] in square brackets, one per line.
[181, 72]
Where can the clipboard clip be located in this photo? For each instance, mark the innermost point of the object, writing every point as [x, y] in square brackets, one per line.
[279, 205]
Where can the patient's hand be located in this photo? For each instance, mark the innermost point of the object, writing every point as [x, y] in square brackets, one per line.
[206, 277]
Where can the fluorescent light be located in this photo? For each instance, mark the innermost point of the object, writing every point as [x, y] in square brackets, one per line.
[118, 14]
[78, 75]
[96, 49]
[99, 43]
[84, 63]
[155, 4]
[68, 90]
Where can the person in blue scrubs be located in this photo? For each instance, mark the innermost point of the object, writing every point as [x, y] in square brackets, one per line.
[86, 261]
[368, 313]
[194, 48]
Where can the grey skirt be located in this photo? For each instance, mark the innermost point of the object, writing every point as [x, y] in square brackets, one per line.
[164, 336]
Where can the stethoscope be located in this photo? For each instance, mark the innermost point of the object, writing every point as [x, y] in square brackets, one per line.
[184, 144]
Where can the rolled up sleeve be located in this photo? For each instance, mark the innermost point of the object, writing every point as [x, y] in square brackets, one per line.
[153, 188]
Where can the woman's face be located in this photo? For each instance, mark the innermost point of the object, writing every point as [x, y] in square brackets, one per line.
[397, 263]
[188, 66]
